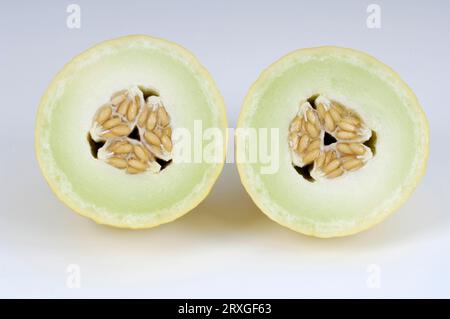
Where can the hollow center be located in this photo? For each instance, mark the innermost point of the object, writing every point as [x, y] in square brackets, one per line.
[163, 163]
[305, 172]
[132, 131]
[134, 135]
[94, 146]
[312, 100]
[371, 143]
[327, 139]
[147, 92]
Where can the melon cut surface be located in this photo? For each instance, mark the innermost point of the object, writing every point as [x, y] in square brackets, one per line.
[73, 150]
[392, 134]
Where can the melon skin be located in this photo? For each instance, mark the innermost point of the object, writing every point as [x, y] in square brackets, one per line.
[356, 202]
[99, 191]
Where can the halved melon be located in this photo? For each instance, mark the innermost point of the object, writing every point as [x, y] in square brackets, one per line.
[351, 141]
[106, 132]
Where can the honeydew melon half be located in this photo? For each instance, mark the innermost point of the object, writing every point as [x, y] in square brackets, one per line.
[389, 137]
[120, 80]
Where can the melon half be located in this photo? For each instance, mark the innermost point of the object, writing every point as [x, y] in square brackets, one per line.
[106, 132]
[351, 141]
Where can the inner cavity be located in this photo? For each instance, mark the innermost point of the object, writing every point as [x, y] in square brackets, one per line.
[134, 135]
[312, 100]
[132, 131]
[305, 172]
[371, 143]
[148, 91]
[94, 146]
[328, 139]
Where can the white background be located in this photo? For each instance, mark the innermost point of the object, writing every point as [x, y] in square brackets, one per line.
[226, 247]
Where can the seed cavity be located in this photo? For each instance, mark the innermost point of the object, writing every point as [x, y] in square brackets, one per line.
[132, 132]
[328, 139]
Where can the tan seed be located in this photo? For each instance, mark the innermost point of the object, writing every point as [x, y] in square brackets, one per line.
[140, 153]
[345, 135]
[313, 145]
[167, 143]
[339, 108]
[143, 116]
[311, 156]
[111, 123]
[118, 99]
[137, 164]
[122, 148]
[120, 130]
[346, 158]
[302, 127]
[347, 126]
[121, 155]
[320, 160]
[295, 124]
[115, 145]
[152, 139]
[310, 116]
[331, 166]
[312, 130]
[317, 125]
[321, 111]
[108, 134]
[158, 132]
[149, 154]
[336, 173]
[104, 114]
[132, 170]
[132, 111]
[344, 148]
[351, 120]
[163, 117]
[330, 155]
[357, 148]
[123, 107]
[117, 162]
[303, 143]
[121, 92]
[329, 123]
[167, 131]
[293, 140]
[335, 115]
[137, 100]
[151, 121]
[352, 164]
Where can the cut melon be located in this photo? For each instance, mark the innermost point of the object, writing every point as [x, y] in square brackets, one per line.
[106, 132]
[352, 141]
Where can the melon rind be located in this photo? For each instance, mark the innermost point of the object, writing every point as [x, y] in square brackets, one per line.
[358, 200]
[93, 188]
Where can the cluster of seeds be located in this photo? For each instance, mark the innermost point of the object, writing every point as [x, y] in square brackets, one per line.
[307, 139]
[126, 112]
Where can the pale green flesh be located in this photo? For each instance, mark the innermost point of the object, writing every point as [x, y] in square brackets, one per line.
[328, 207]
[97, 188]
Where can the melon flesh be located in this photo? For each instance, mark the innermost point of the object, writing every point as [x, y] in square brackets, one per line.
[356, 201]
[100, 191]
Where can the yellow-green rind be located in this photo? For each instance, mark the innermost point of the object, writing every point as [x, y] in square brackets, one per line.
[366, 223]
[194, 62]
